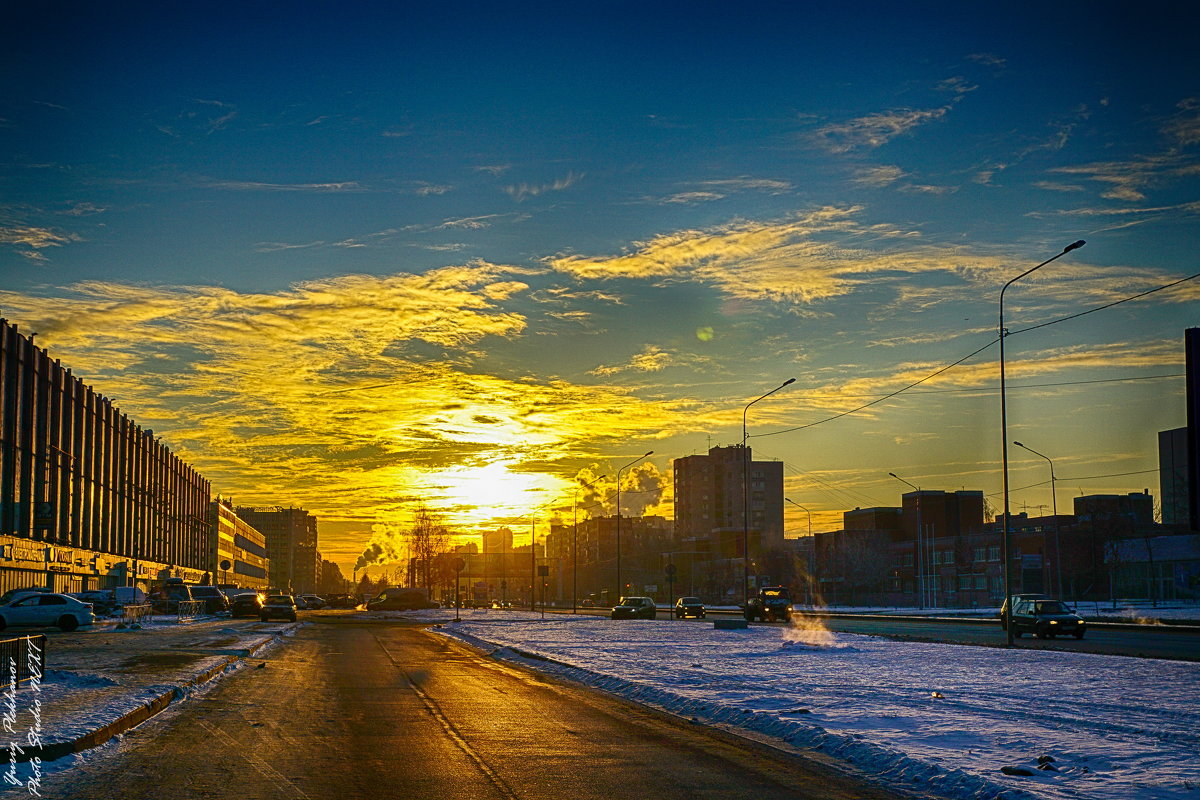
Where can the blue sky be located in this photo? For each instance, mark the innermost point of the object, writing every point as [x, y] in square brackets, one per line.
[356, 257]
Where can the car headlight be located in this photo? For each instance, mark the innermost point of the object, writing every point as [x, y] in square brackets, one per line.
[1053, 622]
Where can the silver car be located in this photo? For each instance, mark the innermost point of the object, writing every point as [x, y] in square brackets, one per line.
[45, 610]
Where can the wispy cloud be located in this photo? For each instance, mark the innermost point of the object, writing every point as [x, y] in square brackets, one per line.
[260, 186]
[879, 176]
[31, 240]
[470, 223]
[691, 198]
[875, 130]
[748, 184]
[523, 190]
[652, 358]
[271, 247]
[987, 59]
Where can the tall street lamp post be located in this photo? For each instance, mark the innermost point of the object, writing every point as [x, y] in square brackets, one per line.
[805, 510]
[1004, 538]
[920, 545]
[575, 548]
[620, 586]
[746, 493]
[808, 568]
[1054, 511]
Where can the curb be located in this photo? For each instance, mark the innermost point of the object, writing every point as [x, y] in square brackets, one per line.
[56, 750]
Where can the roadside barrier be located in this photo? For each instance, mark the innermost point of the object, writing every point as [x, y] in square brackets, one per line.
[132, 614]
[190, 609]
[22, 658]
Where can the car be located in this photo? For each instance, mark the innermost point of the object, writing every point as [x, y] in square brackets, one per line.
[689, 607]
[101, 601]
[45, 609]
[396, 598]
[214, 599]
[1015, 598]
[772, 603]
[166, 598]
[635, 608]
[312, 601]
[278, 606]
[247, 604]
[1046, 619]
[12, 593]
[341, 600]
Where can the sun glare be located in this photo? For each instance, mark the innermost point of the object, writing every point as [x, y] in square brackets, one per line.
[493, 492]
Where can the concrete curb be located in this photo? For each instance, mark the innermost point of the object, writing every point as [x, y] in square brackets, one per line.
[56, 750]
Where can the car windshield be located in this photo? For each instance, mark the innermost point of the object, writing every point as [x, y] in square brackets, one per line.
[279, 598]
[774, 593]
[1052, 607]
[691, 601]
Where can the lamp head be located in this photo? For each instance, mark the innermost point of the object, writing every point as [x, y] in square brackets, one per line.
[1018, 444]
[788, 381]
[1074, 246]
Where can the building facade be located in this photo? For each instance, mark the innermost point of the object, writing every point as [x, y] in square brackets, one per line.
[238, 552]
[291, 538]
[85, 492]
[723, 499]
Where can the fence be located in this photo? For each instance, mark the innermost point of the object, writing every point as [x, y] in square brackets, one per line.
[190, 609]
[135, 613]
[22, 658]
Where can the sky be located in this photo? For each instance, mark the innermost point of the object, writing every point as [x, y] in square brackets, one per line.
[360, 258]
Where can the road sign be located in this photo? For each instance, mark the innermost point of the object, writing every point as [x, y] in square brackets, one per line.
[543, 570]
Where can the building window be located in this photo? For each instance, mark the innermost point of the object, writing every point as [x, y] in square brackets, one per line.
[994, 552]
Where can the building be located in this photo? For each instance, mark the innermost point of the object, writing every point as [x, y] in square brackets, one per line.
[714, 513]
[88, 498]
[238, 552]
[291, 536]
[1173, 476]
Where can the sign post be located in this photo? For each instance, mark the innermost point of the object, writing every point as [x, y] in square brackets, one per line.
[458, 568]
[543, 571]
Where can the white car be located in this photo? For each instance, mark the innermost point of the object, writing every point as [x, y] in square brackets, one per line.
[45, 610]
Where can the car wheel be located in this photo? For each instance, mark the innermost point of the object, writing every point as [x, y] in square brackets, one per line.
[68, 623]
[613, 616]
[1017, 633]
[263, 618]
[1042, 633]
[749, 616]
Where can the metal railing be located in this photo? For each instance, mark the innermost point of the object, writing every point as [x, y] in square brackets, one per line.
[22, 658]
[131, 614]
[190, 609]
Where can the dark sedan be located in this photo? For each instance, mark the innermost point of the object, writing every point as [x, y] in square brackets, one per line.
[634, 608]
[1046, 619]
[689, 607]
[246, 605]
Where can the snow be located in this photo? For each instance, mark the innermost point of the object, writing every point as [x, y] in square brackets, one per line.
[935, 717]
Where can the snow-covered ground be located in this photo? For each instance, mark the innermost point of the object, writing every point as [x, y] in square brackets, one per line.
[1143, 611]
[939, 717]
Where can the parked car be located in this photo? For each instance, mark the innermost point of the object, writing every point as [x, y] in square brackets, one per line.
[278, 606]
[247, 604]
[689, 607]
[341, 601]
[635, 608]
[167, 597]
[12, 593]
[214, 599]
[45, 609]
[400, 599]
[102, 601]
[311, 601]
[129, 596]
[1015, 598]
[1046, 619]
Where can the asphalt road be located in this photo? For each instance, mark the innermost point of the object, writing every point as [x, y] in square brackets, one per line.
[357, 708]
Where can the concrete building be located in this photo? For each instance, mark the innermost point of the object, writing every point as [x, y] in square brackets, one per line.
[713, 511]
[291, 536]
[238, 552]
[88, 498]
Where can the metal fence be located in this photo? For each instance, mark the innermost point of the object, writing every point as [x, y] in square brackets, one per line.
[190, 609]
[135, 613]
[22, 658]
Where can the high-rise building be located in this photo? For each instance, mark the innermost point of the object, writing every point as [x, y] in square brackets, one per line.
[1173, 476]
[238, 552]
[712, 510]
[291, 535]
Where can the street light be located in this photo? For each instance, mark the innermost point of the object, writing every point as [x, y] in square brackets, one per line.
[746, 494]
[1004, 543]
[1054, 510]
[806, 511]
[920, 546]
[620, 586]
[575, 547]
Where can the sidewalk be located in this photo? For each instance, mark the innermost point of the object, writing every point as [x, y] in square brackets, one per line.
[100, 682]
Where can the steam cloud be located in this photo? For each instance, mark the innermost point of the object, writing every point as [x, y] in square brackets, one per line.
[386, 546]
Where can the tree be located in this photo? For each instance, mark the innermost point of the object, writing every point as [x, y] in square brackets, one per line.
[331, 580]
[427, 538]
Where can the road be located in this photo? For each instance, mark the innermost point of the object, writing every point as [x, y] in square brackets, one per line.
[354, 708]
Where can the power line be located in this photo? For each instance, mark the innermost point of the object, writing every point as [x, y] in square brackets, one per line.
[977, 352]
[1079, 478]
[989, 389]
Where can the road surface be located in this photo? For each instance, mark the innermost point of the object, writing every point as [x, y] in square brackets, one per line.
[354, 708]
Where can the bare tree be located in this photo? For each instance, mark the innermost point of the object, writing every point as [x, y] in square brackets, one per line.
[427, 538]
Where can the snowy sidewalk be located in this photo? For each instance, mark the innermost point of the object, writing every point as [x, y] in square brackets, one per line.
[101, 682]
[954, 720]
